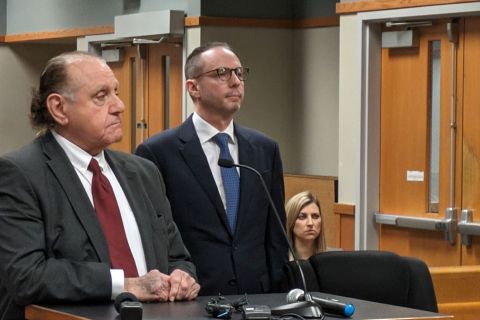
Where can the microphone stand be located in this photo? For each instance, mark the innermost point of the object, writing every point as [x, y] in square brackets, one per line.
[307, 308]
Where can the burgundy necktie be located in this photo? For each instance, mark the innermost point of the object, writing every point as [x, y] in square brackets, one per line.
[108, 214]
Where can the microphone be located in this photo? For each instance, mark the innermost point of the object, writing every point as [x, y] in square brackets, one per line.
[306, 308]
[128, 306]
[331, 306]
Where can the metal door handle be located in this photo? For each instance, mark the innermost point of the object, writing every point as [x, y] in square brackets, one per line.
[447, 225]
[467, 228]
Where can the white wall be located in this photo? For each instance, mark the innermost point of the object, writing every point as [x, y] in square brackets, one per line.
[315, 100]
[21, 65]
[292, 91]
[291, 95]
[268, 91]
[349, 111]
[24, 16]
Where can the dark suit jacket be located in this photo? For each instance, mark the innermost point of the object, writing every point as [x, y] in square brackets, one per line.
[52, 247]
[250, 260]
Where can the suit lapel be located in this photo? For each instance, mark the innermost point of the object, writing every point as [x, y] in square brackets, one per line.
[194, 157]
[132, 188]
[249, 182]
[74, 191]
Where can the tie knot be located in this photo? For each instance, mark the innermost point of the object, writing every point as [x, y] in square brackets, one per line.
[221, 139]
[94, 167]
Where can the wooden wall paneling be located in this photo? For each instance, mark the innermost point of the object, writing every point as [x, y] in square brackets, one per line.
[456, 289]
[345, 226]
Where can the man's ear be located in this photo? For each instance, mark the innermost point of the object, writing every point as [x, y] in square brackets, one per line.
[191, 85]
[56, 107]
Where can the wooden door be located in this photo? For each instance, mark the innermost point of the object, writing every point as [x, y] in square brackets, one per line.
[405, 157]
[433, 90]
[408, 122]
[164, 87]
[470, 188]
[125, 71]
[150, 79]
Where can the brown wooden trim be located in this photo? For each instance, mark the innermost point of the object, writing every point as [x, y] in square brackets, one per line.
[341, 208]
[375, 5]
[456, 284]
[236, 22]
[449, 270]
[305, 176]
[261, 23]
[57, 34]
[189, 22]
[34, 312]
[192, 21]
[317, 22]
[462, 310]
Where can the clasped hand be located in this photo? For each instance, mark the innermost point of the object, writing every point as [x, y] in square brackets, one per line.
[157, 286]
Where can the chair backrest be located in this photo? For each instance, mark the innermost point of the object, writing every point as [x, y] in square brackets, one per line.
[378, 276]
[292, 278]
[421, 292]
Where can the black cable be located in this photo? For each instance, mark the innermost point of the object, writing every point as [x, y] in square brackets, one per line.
[289, 316]
[237, 304]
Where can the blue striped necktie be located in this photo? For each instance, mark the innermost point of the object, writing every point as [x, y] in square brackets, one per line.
[231, 180]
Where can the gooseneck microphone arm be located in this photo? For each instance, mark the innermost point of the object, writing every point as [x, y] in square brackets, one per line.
[313, 311]
[229, 164]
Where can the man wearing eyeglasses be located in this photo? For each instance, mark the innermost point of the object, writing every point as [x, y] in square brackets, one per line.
[223, 214]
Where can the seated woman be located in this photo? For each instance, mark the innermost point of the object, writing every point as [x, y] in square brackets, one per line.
[304, 225]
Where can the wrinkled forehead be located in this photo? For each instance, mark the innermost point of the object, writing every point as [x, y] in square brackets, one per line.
[80, 62]
[86, 71]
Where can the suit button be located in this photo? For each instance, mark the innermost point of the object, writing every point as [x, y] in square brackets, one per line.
[232, 282]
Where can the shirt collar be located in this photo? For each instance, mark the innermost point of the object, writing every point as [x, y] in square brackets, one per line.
[79, 158]
[206, 131]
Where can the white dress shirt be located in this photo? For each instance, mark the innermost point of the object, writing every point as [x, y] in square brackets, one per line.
[205, 132]
[80, 160]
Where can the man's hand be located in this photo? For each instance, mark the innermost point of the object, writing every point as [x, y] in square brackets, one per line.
[182, 286]
[157, 286]
[154, 286]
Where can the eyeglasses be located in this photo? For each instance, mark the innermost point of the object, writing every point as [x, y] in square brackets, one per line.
[224, 73]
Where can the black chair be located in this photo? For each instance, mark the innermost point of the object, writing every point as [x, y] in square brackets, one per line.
[378, 276]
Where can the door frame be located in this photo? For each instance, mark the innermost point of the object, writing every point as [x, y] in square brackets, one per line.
[365, 100]
[154, 26]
